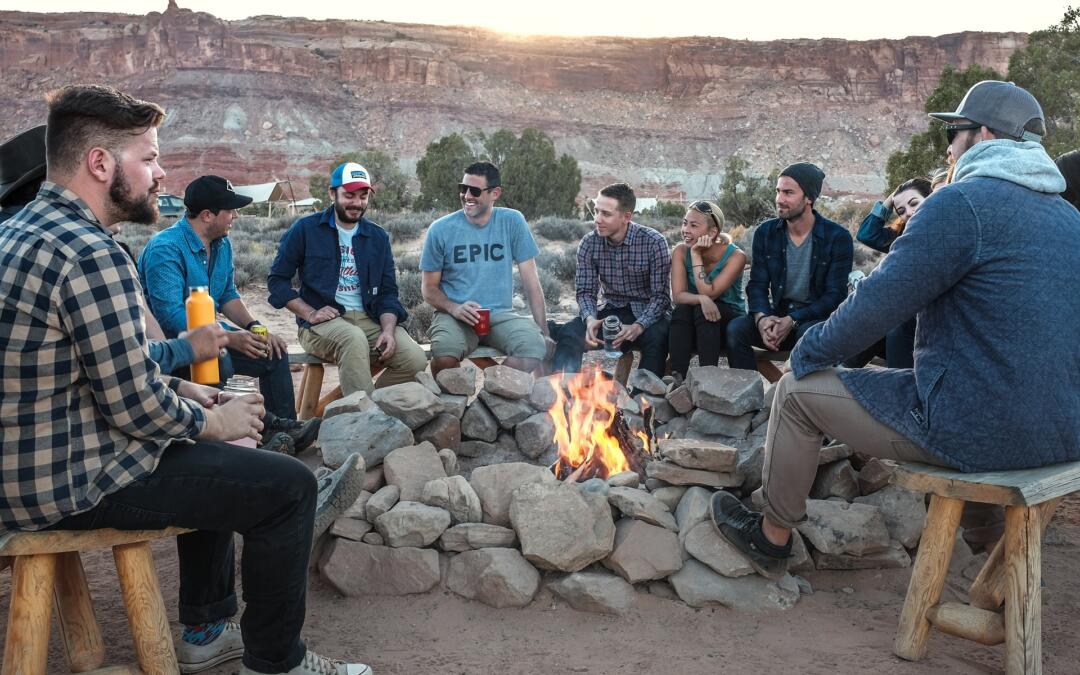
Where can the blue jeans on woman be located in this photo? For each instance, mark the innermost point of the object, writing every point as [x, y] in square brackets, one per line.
[218, 489]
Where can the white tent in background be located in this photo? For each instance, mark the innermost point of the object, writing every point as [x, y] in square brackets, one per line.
[643, 204]
[278, 192]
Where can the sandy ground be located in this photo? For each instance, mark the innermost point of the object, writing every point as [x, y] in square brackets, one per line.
[846, 626]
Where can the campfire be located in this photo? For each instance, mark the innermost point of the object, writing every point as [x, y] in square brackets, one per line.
[592, 432]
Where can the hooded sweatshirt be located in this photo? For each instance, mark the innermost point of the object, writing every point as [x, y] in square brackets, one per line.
[988, 266]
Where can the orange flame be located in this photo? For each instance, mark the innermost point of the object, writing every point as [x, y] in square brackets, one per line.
[583, 433]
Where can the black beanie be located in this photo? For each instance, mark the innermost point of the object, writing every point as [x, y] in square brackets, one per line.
[808, 176]
[1069, 166]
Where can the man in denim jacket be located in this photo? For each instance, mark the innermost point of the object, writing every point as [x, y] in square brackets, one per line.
[799, 270]
[988, 267]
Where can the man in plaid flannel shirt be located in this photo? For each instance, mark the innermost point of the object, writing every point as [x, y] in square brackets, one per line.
[631, 264]
[94, 436]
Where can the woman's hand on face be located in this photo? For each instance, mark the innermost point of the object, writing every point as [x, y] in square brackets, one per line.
[703, 242]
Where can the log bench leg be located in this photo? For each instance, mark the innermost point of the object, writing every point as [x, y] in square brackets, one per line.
[145, 609]
[927, 576]
[303, 390]
[1023, 595]
[26, 647]
[79, 628]
[311, 389]
[769, 370]
[988, 589]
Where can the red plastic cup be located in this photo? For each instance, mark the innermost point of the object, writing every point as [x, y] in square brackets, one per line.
[483, 324]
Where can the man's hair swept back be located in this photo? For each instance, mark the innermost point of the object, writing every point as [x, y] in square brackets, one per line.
[85, 116]
[623, 194]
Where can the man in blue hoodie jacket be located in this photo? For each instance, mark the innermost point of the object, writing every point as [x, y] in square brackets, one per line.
[987, 268]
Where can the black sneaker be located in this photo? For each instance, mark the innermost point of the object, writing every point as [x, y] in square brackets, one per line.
[303, 434]
[279, 442]
[338, 490]
[738, 524]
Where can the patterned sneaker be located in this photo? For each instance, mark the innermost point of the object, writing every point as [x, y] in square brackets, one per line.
[337, 491]
[279, 442]
[742, 528]
[314, 664]
[303, 434]
[226, 646]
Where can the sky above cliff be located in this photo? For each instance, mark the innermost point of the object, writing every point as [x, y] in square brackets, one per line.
[775, 19]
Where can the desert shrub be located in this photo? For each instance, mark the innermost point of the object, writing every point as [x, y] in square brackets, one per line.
[407, 225]
[561, 264]
[554, 228]
[408, 262]
[420, 317]
[409, 288]
[551, 286]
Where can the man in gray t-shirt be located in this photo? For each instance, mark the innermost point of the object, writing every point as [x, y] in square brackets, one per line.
[468, 266]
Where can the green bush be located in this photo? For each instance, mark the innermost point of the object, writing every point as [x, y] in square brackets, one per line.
[420, 317]
[552, 287]
[560, 264]
[407, 225]
[410, 262]
[409, 288]
[554, 228]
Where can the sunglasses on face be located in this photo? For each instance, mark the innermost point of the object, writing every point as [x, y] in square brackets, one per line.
[462, 188]
[952, 130]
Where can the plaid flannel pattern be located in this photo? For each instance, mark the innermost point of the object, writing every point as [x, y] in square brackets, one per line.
[636, 272]
[84, 411]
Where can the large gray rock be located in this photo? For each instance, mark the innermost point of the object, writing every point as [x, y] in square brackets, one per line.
[705, 545]
[455, 495]
[358, 510]
[800, 555]
[382, 501]
[499, 577]
[468, 536]
[350, 528]
[561, 527]
[372, 433]
[693, 508]
[838, 527]
[646, 381]
[428, 380]
[457, 381]
[475, 448]
[355, 402]
[662, 411]
[535, 434]
[640, 505]
[875, 474]
[495, 485]
[411, 467]
[834, 453]
[454, 404]
[507, 382]
[629, 479]
[503, 451]
[449, 461]
[894, 557]
[478, 422]
[751, 465]
[595, 592]
[444, 431]
[508, 412]
[412, 524]
[676, 428]
[717, 424]
[680, 399]
[904, 511]
[543, 396]
[726, 391]
[643, 552]
[837, 479]
[699, 586]
[354, 568]
[677, 475]
[699, 454]
[670, 496]
[410, 402]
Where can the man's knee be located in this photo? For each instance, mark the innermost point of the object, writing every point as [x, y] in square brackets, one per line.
[740, 332]
[411, 358]
[439, 363]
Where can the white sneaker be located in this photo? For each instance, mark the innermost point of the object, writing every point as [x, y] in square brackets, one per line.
[226, 646]
[313, 664]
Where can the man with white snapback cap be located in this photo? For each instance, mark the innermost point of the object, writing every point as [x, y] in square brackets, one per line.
[347, 306]
[988, 267]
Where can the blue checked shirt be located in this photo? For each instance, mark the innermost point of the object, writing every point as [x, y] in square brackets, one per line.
[636, 272]
[84, 411]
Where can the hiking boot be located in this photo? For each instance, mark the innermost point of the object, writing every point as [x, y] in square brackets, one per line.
[279, 442]
[741, 527]
[226, 646]
[303, 434]
[314, 664]
[338, 490]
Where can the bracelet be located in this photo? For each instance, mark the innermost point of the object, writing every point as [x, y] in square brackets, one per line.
[252, 323]
[758, 322]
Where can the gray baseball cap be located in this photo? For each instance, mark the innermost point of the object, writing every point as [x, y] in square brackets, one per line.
[1002, 106]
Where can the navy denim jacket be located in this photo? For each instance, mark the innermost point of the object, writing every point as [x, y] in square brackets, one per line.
[831, 259]
[310, 248]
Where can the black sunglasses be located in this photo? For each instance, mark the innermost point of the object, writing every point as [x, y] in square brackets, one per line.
[704, 207]
[951, 130]
[462, 188]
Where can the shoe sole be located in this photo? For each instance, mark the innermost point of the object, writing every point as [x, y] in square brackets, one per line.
[210, 663]
[342, 497]
[768, 574]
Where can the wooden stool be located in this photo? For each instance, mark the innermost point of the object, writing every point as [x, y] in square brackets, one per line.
[1010, 575]
[47, 565]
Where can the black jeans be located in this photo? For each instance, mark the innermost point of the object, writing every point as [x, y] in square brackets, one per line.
[218, 489]
[652, 343]
[275, 380]
[743, 336]
[691, 332]
[897, 348]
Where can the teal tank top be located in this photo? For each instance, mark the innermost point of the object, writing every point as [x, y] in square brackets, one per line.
[733, 296]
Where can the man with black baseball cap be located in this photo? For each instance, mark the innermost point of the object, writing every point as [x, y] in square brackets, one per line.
[987, 265]
[196, 251]
[22, 170]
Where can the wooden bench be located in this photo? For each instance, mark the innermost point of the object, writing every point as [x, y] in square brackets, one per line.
[1011, 575]
[47, 567]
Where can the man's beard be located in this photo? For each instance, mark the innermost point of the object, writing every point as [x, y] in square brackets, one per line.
[125, 207]
[343, 217]
[792, 213]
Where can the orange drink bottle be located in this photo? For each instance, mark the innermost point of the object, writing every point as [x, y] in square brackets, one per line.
[200, 312]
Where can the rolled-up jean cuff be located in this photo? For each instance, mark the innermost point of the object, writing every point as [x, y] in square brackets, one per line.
[296, 655]
[222, 609]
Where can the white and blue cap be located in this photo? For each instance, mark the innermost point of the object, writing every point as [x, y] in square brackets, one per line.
[350, 176]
